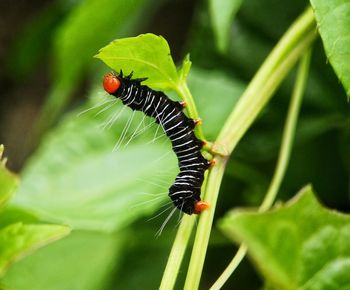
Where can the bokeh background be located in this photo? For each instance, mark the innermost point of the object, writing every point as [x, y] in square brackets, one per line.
[48, 75]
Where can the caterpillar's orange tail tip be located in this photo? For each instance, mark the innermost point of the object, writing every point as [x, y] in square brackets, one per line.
[111, 83]
[200, 206]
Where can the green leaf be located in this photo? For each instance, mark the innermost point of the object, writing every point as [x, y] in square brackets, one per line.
[222, 13]
[3, 287]
[82, 261]
[185, 68]
[11, 215]
[8, 180]
[333, 23]
[75, 177]
[148, 55]
[300, 245]
[18, 240]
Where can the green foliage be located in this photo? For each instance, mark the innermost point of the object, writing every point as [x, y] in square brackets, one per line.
[75, 177]
[85, 29]
[11, 215]
[147, 55]
[215, 93]
[8, 180]
[89, 26]
[222, 13]
[333, 24]
[299, 245]
[82, 261]
[83, 183]
[17, 239]
[185, 69]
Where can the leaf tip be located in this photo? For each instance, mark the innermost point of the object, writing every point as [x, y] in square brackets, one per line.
[66, 230]
[305, 192]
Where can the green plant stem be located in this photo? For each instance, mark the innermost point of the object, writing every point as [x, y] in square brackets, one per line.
[288, 133]
[176, 255]
[237, 259]
[183, 91]
[297, 39]
[202, 239]
[253, 100]
[282, 163]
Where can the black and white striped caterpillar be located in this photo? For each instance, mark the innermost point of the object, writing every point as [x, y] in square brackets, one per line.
[185, 192]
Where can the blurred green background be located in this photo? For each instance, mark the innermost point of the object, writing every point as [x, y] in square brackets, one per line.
[70, 174]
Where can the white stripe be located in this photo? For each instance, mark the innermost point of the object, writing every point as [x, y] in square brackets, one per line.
[150, 103]
[173, 140]
[179, 123]
[185, 150]
[186, 155]
[156, 108]
[189, 170]
[187, 176]
[183, 144]
[186, 160]
[161, 113]
[178, 192]
[185, 183]
[146, 100]
[172, 135]
[166, 122]
[191, 165]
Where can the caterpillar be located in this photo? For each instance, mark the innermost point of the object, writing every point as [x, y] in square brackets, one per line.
[185, 191]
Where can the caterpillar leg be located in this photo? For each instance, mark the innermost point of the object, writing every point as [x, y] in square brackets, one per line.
[197, 121]
[200, 143]
[194, 122]
[183, 104]
[200, 206]
[211, 163]
[180, 105]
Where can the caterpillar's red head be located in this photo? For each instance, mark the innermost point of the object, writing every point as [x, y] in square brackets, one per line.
[111, 83]
[200, 206]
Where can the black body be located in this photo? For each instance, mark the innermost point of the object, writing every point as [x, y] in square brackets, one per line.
[185, 191]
